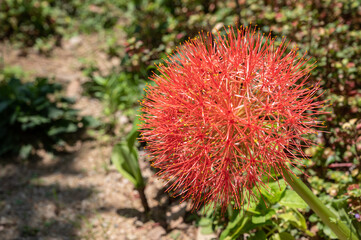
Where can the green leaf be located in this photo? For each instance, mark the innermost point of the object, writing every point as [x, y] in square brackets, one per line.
[55, 112]
[258, 219]
[207, 229]
[32, 121]
[126, 162]
[4, 105]
[264, 217]
[274, 190]
[204, 221]
[100, 80]
[301, 220]
[329, 232]
[260, 235]
[282, 236]
[131, 138]
[234, 226]
[25, 151]
[69, 128]
[90, 121]
[288, 217]
[313, 218]
[291, 199]
[295, 218]
[206, 225]
[134, 133]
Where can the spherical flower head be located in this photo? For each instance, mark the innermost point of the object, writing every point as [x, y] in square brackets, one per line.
[227, 113]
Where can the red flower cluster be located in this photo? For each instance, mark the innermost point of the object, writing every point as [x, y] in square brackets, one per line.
[226, 112]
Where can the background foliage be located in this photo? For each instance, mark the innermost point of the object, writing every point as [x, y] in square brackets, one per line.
[35, 115]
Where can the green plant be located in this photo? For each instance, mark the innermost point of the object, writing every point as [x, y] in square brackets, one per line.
[125, 158]
[118, 92]
[281, 213]
[36, 116]
[156, 27]
[29, 20]
[95, 15]
[44, 22]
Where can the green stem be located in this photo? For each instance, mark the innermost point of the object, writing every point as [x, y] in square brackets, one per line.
[328, 217]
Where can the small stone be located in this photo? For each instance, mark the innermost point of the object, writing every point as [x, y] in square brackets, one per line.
[314, 229]
[73, 43]
[6, 221]
[138, 223]
[49, 210]
[131, 237]
[156, 233]
[123, 119]
[115, 61]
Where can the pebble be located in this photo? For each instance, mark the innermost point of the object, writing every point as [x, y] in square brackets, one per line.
[156, 233]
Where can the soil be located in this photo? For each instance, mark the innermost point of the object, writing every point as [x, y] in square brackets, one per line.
[79, 194]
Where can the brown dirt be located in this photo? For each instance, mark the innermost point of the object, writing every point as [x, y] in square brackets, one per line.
[79, 194]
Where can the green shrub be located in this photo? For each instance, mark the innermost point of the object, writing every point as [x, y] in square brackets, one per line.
[118, 92]
[29, 22]
[35, 115]
[156, 27]
[95, 15]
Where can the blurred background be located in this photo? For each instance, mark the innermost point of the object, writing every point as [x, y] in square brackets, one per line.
[71, 75]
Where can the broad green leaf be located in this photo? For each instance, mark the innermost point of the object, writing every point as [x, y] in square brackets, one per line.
[264, 217]
[131, 138]
[259, 235]
[206, 225]
[329, 232]
[288, 217]
[71, 127]
[121, 160]
[234, 229]
[134, 133]
[90, 121]
[126, 162]
[25, 151]
[295, 218]
[274, 190]
[301, 220]
[204, 221]
[282, 236]
[207, 229]
[291, 199]
[237, 221]
[100, 80]
[258, 219]
[34, 120]
[252, 206]
[55, 112]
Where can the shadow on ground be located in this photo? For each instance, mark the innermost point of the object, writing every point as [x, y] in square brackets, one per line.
[31, 208]
[167, 210]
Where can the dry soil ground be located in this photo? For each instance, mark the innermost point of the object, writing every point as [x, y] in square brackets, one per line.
[79, 194]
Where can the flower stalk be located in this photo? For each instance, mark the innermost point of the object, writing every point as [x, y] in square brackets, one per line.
[328, 217]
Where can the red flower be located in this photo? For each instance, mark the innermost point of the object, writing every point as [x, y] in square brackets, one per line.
[225, 113]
